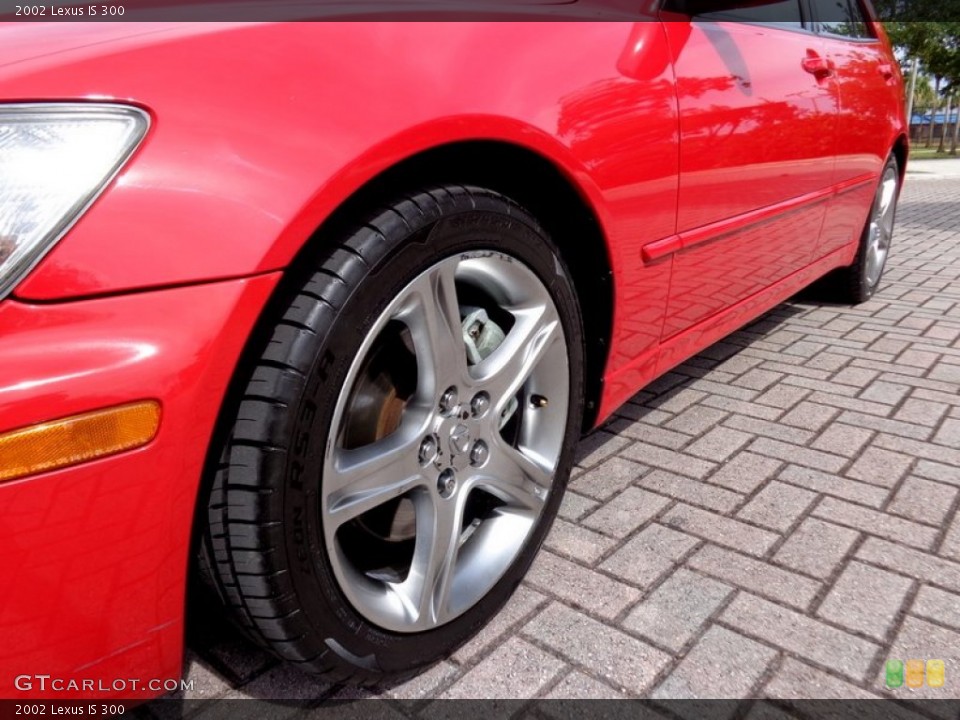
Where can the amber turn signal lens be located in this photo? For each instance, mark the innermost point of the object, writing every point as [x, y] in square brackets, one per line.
[77, 439]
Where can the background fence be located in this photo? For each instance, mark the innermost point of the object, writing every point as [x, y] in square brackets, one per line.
[931, 124]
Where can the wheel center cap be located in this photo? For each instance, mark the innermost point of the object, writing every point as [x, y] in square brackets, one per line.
[459, 439]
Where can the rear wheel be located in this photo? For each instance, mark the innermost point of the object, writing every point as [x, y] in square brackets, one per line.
[404, 441]
[860, 281]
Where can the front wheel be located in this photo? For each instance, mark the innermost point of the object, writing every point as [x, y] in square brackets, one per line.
[404, 441]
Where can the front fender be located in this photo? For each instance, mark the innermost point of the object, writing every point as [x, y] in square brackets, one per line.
[260, 132]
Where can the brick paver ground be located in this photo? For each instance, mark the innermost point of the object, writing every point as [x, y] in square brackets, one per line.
[776, 517]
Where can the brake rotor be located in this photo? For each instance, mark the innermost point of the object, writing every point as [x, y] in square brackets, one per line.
[377, 402]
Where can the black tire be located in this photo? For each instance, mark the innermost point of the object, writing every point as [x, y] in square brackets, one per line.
[263, 549]
[853, 285]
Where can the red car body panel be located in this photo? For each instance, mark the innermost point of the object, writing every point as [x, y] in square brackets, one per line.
[260, 132]
[231, 182]
[95, 555]
[866, 78]
[741, 88]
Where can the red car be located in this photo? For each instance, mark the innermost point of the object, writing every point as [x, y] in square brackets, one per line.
[319, 311]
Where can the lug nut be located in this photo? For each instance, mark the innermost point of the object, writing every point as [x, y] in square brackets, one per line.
[447, 483]
[479, 453]
[480, 404]
[428, 450]
[449, 401]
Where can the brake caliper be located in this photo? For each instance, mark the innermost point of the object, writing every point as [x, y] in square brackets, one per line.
[482, 336]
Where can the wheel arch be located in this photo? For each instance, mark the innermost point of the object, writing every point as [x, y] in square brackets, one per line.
[536, 183]
[522, 174]
[901, 149]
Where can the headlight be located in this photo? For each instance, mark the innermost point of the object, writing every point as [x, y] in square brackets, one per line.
[54, 161]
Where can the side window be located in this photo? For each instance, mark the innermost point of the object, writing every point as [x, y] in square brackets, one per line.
[842, 17]
[785, 13]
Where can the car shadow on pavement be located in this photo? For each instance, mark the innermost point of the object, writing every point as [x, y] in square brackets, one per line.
[662, 390]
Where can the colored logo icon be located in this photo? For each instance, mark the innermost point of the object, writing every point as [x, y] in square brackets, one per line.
[935, 673]
[894, 673]
[912, 673]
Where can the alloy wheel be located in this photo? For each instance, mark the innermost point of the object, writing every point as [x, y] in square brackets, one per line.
[445, 441]
[880, 229]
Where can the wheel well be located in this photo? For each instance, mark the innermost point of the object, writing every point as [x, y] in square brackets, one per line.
[540, 187]
[900, 153]
[520, 174]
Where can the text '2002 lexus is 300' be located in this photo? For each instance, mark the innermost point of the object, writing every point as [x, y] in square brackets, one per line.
[318, 311]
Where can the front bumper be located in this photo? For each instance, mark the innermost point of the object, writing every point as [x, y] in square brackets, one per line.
[94, 557]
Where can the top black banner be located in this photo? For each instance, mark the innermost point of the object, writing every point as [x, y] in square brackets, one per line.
[451, 10]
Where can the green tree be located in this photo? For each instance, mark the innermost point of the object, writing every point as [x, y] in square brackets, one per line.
[933, 45]
[917, 10]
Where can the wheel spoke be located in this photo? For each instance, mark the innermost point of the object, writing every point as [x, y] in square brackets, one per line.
[886, 233]
[505, 371]
[886, 225]
[364, 478]
[439, 529]
[517, 477]
[888, 196]
[888, 192]
[871, 259]
[432, 313]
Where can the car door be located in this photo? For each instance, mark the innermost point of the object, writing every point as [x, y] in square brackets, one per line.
[864, 76]
[757, 114]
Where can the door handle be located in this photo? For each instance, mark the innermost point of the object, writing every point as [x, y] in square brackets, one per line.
[817, 66]
[885, 69]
